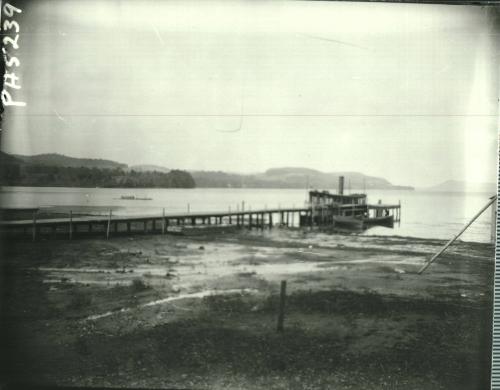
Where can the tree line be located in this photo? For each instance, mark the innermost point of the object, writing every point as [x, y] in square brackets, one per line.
[35, 175]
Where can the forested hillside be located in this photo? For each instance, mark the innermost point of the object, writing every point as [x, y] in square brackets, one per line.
[35, 172]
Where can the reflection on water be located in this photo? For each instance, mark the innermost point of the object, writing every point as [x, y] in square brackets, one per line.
[424, 214]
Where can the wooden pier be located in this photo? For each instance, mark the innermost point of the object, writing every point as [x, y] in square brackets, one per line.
[111, 225]
[323, 209]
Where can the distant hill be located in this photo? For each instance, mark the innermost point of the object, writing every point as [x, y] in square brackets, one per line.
[60, 170]
[290, 177]
[9, 159]
[59, 160]
[149, 168]
[463, 186]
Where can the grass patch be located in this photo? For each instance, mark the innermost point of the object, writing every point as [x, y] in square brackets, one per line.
[139, 285]
[79, 300]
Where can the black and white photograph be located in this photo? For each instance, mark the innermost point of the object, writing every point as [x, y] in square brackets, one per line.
[248, 194]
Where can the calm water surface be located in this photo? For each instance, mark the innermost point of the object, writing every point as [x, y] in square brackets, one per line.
[424, 214]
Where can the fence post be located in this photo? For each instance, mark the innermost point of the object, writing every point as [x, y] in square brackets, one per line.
[34, 226]
[109, 224]
[163, 222]
[281, 314]
[70, 224]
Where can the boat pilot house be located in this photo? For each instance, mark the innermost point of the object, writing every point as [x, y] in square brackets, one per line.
[348, 211]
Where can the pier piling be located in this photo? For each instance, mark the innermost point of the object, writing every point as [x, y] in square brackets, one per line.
[163, 222]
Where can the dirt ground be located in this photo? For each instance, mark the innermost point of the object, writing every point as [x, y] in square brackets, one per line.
[200, 311]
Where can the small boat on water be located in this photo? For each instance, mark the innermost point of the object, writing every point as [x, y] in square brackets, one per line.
[133, 197]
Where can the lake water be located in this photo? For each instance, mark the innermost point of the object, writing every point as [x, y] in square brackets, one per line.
[424, 214]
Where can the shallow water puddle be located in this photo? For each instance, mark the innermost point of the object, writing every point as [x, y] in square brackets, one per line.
[336, 241]
[200, 294]
[210, 265]
[387, 260]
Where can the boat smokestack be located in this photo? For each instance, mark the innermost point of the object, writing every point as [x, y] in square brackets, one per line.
[341, 185]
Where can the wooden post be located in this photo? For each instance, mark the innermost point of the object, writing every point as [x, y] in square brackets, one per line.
[109, 225]
[293, 218]
[145, 226]
[270, 220]
[163, 222]
[34, 226]
[281, 313]
[189, 208]
[70, 224]
[250, 220]
[378, 211]
[490, 202]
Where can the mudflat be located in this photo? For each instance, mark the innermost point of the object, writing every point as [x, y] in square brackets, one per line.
[200, 311]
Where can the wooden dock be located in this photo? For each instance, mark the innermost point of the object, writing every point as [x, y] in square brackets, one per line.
[112, 225]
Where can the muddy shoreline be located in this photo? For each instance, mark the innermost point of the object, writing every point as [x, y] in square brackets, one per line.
[200, 312]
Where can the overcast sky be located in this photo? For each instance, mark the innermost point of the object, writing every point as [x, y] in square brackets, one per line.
[405, 92]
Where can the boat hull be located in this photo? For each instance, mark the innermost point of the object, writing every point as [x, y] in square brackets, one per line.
[363, 223]
[348, 222]
[387, 221]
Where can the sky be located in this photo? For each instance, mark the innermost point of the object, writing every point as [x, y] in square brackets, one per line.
[401, 91]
